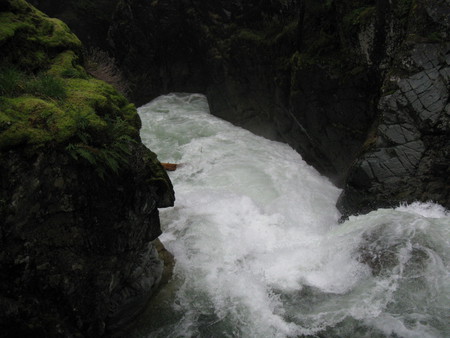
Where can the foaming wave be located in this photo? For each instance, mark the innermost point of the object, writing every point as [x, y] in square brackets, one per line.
[258, 250]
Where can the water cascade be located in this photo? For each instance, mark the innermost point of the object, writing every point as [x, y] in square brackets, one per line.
[259, 251]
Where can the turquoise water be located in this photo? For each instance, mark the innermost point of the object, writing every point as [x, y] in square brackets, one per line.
[259, 251]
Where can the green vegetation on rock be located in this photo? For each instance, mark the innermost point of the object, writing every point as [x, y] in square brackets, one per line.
[48, 99]
[359, 17]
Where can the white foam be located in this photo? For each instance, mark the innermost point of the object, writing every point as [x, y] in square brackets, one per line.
[255, 227]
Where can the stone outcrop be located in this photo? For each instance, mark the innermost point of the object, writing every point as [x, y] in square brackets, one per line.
[406, 157]
[76, 253]
[79, 192]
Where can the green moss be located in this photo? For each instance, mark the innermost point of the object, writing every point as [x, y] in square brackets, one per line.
[46, 86]
[10, 24]
[66, 64]
[55, 33]
[33, 121]
[11, 81]
[250, 35]
[93, 95]
[358, 17]
[28, 37]
[47, 98]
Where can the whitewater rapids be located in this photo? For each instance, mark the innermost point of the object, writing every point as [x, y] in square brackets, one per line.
[259, 251]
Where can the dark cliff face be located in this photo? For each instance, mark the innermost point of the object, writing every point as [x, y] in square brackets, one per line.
[158, 47]
[321, 76]
[262, 64]
[76, 252]
[79, 192]
[405, 157]
[315, 74]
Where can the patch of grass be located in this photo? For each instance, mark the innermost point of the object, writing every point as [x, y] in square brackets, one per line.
[71, 73]
[11, 81]
[100, 65]
[108, 153]
[46, 86]
[14, 82]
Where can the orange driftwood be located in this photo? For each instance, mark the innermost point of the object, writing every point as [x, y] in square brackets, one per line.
[169, 166]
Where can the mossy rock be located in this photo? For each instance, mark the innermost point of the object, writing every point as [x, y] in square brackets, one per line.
[54, 120]
[48, 98]
[28, 37]
[67, 65]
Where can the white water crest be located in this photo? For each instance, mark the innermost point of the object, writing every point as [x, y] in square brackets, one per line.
[259, 251]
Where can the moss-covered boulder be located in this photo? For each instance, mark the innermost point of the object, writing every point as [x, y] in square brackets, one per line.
[79, 192]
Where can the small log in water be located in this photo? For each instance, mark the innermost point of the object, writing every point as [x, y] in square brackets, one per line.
[169, 166]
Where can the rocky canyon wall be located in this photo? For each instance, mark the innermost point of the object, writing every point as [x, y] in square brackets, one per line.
[318, 75]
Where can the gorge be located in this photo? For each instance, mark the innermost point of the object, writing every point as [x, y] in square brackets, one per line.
[360, 89]
[321, 76]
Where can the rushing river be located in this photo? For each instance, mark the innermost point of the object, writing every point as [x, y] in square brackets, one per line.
[259, 251]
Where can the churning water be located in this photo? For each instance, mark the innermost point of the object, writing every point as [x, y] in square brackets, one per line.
[258, 248]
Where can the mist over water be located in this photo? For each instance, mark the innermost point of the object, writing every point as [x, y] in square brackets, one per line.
[258, 248]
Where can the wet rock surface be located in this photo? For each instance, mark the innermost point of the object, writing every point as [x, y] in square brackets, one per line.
[407, 159]
[76, 255]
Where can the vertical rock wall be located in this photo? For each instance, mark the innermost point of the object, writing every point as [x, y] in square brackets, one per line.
[76, 251]
[406, 158]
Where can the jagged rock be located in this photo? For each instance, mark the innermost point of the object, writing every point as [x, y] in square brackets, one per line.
[408, 158]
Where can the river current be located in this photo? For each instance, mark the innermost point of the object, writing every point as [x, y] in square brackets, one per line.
[259, 251]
